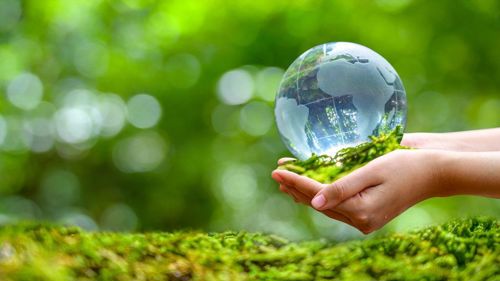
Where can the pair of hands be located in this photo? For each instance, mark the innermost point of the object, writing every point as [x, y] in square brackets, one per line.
[374, 194]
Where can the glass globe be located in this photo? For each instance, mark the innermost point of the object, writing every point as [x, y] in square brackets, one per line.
[336, 95]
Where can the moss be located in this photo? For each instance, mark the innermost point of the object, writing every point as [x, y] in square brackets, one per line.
[327, 169]
[466, 249]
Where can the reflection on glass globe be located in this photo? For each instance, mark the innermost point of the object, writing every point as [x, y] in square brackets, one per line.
[336, 95]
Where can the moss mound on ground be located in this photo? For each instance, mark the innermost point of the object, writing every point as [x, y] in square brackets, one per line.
[467, 249]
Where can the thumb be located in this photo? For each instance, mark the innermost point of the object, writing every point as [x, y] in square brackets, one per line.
[333, 194]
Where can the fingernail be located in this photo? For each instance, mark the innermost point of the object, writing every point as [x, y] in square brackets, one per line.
[318, 201]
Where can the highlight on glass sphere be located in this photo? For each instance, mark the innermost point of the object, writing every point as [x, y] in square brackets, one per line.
[337, 95]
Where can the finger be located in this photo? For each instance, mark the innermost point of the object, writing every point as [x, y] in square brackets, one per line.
[351, 206]
[303, 184]
[300, 197]
[284, 160]
[346, 187]
[414, 140]
[297, 195]
[289, 193]
[286, 190]
[337, 216]
[283, 188]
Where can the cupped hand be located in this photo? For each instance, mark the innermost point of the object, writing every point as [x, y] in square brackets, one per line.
[372, 195]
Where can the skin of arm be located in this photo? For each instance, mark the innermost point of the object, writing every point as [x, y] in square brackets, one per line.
[475, 140]
[374, 194]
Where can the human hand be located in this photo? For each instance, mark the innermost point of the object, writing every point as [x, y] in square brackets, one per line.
[372, 195]
[472, 141]
[429, 141]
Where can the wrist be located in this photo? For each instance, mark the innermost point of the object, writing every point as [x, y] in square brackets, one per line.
[443, 173]
[428, 173]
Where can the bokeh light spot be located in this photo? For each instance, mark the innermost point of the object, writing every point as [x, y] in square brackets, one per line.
[59, 188]
[73, 125]
[25, 91]
[183, 70]
[267, 82]
[13, 208]
[75, 218]
[225, 119]
[91, 59]
[80, 97]
[113, 114]
[118, 217]
[140, 153]
[239, 186]
[235, 87]
[144, 111]
[256, 118]
[41, 134]
[15, 140]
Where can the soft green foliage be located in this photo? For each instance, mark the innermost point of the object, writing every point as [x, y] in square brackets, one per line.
[466, 249]
[327, 169]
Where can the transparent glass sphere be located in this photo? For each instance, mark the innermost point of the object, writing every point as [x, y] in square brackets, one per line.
[336, 95]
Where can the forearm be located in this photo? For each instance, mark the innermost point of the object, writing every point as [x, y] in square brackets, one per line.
[475, 140]
[473, 173]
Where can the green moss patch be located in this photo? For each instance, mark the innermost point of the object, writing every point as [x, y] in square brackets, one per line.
[327, 169]
[467, 249]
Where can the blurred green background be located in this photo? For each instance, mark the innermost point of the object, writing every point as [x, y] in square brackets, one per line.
[139, 115]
